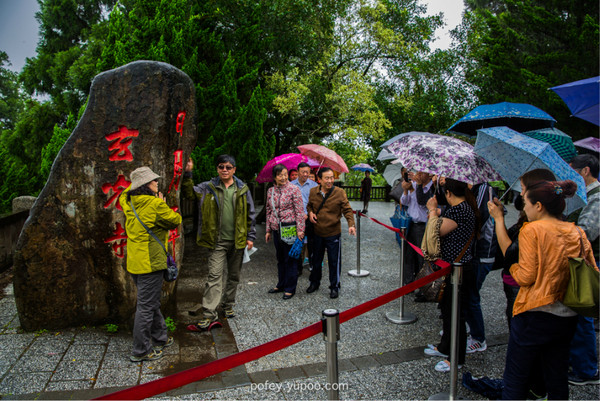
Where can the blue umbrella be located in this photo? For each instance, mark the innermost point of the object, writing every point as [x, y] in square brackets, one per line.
[513, 154]
[363, 167]
[518, 116]
[581, 98]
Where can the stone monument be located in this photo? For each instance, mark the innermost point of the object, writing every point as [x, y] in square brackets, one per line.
[70, 262]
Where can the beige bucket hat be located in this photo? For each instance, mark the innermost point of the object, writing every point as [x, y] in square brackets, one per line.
[142, 176]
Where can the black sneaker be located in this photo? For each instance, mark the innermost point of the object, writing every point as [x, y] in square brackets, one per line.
[580, 381]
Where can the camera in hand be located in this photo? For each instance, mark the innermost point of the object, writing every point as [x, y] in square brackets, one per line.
[406, 177]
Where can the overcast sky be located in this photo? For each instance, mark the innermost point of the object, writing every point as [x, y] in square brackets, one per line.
[19, 29]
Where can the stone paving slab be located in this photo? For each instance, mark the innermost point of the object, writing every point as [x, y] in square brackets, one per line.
[377, 359]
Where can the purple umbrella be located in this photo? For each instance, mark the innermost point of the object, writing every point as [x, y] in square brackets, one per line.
[443, 155]
[591, 143]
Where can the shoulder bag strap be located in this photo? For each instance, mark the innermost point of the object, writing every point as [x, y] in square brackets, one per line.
[464, 250]
[147, 229]
[273, 204]
[581, 255]
[324, 199]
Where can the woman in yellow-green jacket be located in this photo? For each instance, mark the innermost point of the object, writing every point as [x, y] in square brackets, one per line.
[146, 260]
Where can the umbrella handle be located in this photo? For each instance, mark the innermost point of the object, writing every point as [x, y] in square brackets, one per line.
[508, 189]
[320, 165]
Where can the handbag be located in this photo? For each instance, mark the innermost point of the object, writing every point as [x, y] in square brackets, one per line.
[396, 192]
[171, 272]
[287, 231]
[434, 291]
[583, 289]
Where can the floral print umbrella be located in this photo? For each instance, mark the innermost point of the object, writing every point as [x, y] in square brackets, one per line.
[513, 154]
[444, 156]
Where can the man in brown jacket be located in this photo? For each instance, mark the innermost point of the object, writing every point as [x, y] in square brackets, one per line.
[326, 204]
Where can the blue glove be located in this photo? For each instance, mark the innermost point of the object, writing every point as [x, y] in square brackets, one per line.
[296, 249]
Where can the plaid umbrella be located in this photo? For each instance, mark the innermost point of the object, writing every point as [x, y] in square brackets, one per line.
[442, 155]
[560, 142]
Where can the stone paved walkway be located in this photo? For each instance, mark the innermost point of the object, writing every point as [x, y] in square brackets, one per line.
[377, 359]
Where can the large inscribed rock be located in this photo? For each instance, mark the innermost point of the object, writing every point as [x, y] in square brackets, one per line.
[70, 264]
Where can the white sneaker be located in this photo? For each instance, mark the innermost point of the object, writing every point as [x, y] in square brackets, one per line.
[474, 346]
[432, 350]
[444, 366]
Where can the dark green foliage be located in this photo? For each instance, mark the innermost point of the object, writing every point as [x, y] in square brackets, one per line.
[12, 101]
[519, 49]
[271, 75]
[59, 137]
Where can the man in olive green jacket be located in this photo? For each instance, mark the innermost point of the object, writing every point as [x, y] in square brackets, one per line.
[226, 220]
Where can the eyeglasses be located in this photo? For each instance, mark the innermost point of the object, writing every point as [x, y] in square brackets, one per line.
[224, 167]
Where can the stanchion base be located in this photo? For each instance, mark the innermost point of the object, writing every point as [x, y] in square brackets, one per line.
[356, 273]
[395, 317]
[443, 396]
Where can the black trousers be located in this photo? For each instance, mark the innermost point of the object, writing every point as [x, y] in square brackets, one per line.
[539, 341]
[469, 278]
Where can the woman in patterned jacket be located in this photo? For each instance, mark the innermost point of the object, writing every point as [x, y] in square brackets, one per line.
[285, 223]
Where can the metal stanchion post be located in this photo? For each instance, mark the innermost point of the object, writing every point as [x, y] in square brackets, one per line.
[456, 279]
[358, 272]
[331, 334]
[401, 317]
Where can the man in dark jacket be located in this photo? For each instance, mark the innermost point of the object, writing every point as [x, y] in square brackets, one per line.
[326, 217]
[225, 226]
[485, 253]
[365, 191]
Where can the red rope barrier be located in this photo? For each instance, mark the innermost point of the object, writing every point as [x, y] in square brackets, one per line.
[441, 263]
[180, 379]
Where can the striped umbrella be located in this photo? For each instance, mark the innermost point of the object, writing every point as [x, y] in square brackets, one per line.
[560, 142]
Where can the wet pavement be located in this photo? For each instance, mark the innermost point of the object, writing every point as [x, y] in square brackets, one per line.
[377, 358]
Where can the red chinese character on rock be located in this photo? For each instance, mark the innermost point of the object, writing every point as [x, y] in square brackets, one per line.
[117, 188]
[174, 234]
[177, 169]
[179, 123]
[119, 240]
[120, 146]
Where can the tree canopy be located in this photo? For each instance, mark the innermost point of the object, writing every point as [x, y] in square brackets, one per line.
[271, 75]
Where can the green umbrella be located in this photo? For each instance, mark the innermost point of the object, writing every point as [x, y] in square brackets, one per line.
[560, 142]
